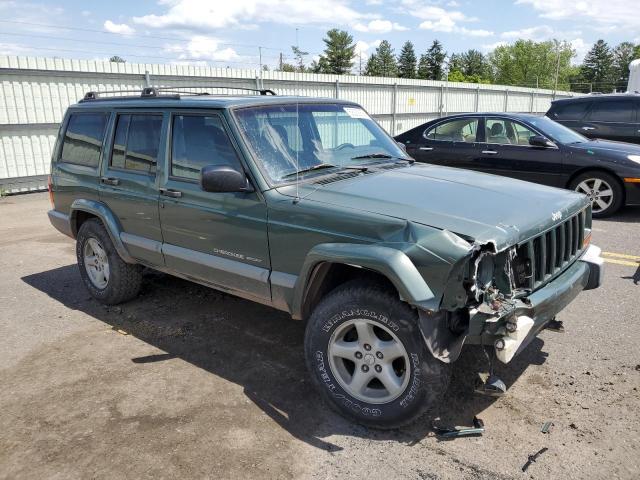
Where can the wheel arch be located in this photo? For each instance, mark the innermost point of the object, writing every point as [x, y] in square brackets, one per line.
[330, 265]
[83, 209]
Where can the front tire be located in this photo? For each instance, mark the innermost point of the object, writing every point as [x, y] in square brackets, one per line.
[604, 191]
[367, 358]
[109, 279]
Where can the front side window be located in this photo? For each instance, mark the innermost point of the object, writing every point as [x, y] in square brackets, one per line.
[291, 139]
[611, 111]
[136, 142]
[83, 139]
[506, 132]
[198, 141]
[462, 130]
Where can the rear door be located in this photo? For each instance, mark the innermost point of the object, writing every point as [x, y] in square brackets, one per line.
[128, 182]
[611, 119]
[216, 237]
[507, 152]
[451, 143]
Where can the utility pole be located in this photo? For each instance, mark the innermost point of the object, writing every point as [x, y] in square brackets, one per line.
[360, 68]
[555, 87]
[280, 61]
[260, 57]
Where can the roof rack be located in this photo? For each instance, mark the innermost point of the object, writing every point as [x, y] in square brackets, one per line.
[161, 92]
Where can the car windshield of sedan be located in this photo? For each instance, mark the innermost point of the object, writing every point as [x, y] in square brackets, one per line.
[556, 131]
[300, 140]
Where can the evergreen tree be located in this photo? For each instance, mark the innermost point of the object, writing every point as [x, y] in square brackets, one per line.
[382, 63]
[338, 53]
[299, 56]
[423, 67]
[407, 61]
[623, 54]
[117, 59]
[372, 69]
[597, 68]
[435, 60]
[473, 64]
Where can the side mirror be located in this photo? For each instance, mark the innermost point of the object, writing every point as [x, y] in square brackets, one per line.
[223, 178]
[402, 146]
[540, 141]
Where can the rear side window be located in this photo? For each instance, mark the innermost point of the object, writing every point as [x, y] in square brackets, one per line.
[83, 139]
[136, 143]
[612, 111]
[570, 111]
[198, 141]
[460, 130]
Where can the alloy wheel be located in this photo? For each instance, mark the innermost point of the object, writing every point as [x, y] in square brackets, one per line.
[96, 263]
[599, 192]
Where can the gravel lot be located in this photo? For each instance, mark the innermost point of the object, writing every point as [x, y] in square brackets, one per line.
[186, 382]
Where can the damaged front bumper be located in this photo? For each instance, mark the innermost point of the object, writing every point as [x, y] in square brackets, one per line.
[518, 321]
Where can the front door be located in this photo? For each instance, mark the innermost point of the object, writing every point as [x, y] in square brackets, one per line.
[218, 238]
[507, 152]
[611, 119]
[128, 182]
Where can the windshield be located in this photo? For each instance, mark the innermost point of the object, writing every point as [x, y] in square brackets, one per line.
[312, 139]
[556, 131]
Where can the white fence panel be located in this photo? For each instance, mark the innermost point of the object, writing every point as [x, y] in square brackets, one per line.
[35, 92]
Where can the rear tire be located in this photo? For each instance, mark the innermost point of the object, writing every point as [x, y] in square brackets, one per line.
[109, 279]
[603, 189]
[366, 356]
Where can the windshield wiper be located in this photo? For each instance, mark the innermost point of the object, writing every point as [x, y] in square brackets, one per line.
[319, 166]
[372, 155]
[382, 155]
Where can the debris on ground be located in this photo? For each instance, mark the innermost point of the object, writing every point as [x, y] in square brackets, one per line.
[532, 458]
[454, 432]
[546, 427]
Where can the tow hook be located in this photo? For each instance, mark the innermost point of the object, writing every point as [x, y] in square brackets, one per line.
[516, 330]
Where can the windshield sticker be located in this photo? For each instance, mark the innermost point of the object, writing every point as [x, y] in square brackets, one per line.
[356, 112]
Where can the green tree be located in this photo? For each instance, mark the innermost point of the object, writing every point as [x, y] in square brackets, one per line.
[598, 67]
[623, 54]
[423, 67]
[407, 61]
[528, 63]
[299, 58]
[474, 64]
[435, 58]
[338, 53]
[382, 63]
[117, 59]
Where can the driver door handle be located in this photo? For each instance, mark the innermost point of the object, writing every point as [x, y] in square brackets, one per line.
[109, 181]
[168, 192]
[426, 149]
[586, 129]
[489, 152]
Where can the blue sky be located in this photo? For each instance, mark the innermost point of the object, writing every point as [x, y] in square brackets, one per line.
[228, 32]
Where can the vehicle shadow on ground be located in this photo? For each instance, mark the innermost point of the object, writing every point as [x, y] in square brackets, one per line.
[260, 349]
[630, 214]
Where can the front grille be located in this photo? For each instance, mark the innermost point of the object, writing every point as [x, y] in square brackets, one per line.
[544, 256]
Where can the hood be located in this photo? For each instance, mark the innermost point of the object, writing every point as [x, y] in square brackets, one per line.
[484, 207]
[608, 147]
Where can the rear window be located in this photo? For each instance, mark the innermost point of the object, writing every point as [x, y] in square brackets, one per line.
[83, 139]
[612, 111]
[136, 143]
[570, 111]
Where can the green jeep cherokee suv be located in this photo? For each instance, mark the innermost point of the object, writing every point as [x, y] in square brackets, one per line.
[309, 206]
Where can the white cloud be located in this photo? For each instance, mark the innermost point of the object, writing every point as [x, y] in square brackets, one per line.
[541, 32]
[492, 46]
[453, 4]
[379, 26]
[85, 13]
[120, 28]
[474, 32]
[206, 15]
[608, 14]
[438, 19]
[202, 48]
[363, 48]
[581, 48]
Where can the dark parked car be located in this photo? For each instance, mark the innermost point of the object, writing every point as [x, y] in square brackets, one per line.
[611, 117]
[535, 149]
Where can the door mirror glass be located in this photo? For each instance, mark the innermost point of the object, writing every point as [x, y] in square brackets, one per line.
[402, 146]
[223, 178]
[540, 141]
